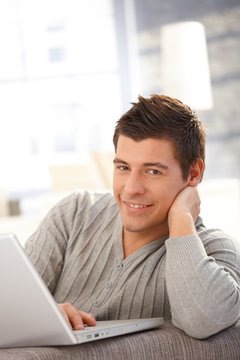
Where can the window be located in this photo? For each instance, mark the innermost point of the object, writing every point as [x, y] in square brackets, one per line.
[56, 54]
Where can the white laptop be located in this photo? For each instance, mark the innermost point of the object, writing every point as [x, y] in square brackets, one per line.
[29, 316]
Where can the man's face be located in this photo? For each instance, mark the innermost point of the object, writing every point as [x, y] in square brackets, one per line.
[147, 178]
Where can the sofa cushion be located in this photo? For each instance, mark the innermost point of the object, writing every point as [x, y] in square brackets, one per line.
[166, 343]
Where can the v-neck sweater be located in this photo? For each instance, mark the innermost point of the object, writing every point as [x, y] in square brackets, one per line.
[78, 252]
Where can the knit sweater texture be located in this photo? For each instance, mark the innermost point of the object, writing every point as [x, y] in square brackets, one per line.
[192, 279]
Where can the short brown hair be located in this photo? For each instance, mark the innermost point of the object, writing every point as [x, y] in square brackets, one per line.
[163, 117]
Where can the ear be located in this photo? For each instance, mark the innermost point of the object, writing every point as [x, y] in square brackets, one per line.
[196, 172]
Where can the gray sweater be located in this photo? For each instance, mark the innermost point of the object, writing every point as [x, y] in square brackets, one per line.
[194, 280]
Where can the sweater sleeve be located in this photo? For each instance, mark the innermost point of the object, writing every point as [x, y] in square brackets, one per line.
[46, 247]
[203, 278]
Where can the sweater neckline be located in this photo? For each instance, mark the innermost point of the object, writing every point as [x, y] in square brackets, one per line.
[150, 247]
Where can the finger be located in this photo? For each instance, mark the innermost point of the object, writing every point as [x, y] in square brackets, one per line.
[74, 316]
[88, 318]
[64, 314]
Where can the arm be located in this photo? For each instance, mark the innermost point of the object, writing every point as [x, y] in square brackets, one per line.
[48, 247]
[57, 236]
[202, 271]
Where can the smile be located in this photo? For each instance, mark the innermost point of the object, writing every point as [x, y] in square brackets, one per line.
[136, 206]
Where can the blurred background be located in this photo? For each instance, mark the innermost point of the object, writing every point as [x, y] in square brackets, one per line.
[70, 68]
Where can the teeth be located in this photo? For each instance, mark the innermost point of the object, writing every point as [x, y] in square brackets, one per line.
[136, 206]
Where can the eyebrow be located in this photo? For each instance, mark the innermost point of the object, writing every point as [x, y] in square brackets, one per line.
[155, 164]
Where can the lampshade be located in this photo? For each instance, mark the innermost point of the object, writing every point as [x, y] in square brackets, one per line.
[185, 67]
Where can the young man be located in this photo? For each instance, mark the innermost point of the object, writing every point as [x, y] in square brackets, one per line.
[144, 252]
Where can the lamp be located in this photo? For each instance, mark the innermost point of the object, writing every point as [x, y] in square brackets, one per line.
[185, 66]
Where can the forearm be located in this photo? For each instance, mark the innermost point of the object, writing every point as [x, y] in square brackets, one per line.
[204, 298]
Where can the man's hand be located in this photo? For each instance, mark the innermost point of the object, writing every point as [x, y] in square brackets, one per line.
[76, 318]
[184, 212]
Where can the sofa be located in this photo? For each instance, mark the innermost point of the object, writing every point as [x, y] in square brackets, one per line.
[166, 343]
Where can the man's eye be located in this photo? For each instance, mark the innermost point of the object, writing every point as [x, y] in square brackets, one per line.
[154, 172]
[122, 167]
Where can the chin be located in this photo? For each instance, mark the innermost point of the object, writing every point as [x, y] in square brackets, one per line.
[134, 227]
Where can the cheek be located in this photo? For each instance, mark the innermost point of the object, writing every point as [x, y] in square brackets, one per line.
[174, 193]
[168, 194]
[166, 202]
[116, 185]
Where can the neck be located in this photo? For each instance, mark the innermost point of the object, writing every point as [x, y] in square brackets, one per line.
[133, 241]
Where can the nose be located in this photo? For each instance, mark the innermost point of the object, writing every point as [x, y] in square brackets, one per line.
[134, 184]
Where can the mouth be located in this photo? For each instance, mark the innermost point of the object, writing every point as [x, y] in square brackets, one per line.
[136, 206]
